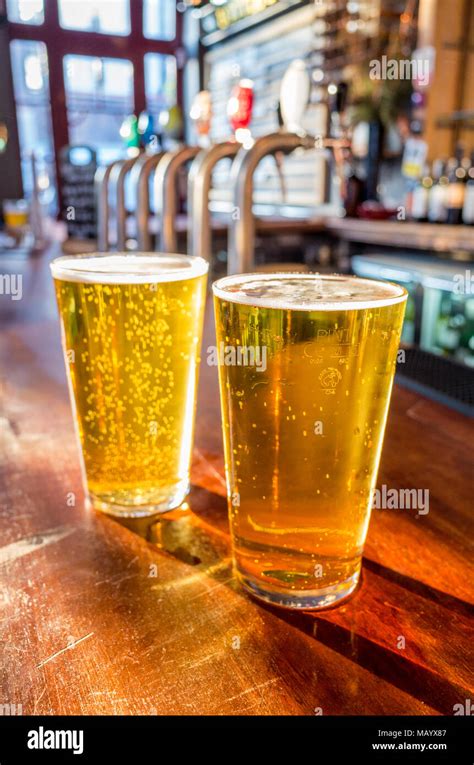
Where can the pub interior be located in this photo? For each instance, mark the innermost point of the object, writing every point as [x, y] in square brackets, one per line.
[262, 137]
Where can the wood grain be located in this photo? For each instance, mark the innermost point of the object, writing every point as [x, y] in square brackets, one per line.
[424, 236]
[146, 618]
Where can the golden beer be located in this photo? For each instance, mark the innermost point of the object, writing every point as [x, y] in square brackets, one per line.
[304, 402]
[131, 331]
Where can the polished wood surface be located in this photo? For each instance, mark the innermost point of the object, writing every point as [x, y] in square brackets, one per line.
[146, 617]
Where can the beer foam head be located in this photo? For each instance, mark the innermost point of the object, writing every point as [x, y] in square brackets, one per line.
[308, 292]
[127, 268]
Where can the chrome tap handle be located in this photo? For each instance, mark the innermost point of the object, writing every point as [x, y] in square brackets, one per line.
[199, 185]
[140, 179]
[166, 193]
[118, 175]
[242, 226]
[101, 184]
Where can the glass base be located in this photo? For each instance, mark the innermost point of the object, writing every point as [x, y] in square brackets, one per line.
[121, 505]
[301, 599]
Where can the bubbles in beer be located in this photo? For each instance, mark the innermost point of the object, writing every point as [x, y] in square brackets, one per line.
[305, 491]
[136, 344]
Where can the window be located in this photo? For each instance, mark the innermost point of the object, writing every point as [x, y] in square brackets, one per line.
[25, 11]
[159, 19]
[33, 109]
[99, 95]
[76, 64]
[110, 17]
[160, 82]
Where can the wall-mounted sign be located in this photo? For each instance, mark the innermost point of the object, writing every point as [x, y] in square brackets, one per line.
[77, 165]
[238, 15]
[235, 10]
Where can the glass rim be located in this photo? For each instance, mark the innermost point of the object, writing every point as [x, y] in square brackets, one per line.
[278, 303]
[67, 268]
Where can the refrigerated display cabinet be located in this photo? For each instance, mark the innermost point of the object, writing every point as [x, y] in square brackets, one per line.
[438, 330]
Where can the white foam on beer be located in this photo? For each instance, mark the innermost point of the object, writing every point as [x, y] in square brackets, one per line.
[125, 268]
[308, 292]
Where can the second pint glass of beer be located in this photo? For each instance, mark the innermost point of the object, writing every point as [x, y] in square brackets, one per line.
[306, 371]
[131, 330]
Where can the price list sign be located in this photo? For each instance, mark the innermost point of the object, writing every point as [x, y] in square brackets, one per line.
[77, 170]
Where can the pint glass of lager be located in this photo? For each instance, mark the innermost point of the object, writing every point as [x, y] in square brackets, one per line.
[131, 331]
[306, 365]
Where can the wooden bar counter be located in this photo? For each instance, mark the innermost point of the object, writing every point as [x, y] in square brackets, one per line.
[102, 617]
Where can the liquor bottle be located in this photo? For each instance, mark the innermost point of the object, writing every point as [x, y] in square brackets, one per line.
[456, 188]
[437, 201]
[468, 207]
[354, 188]
[420, 197]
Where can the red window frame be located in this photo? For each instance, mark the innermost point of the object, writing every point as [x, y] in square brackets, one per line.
[60, 42]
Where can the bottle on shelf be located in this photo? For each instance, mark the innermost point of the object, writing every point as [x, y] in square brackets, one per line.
[437, 202]
[468, 206]
[456, 188]
[420, 196]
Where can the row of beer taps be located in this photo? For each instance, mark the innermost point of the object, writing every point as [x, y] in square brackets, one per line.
[164, 168]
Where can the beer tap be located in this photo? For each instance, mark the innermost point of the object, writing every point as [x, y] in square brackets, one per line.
[294, 96]
[201, 116]
[118, 176]
[293, 100]
[165, 186]
[140, 180]
[110, 196]
[239, 111]
[101, 184]
[167, 172]
[242, 227]
[200, 173]
[199, 186]
[336, 140]
[109, 187]
[295, 91]
[170, 165]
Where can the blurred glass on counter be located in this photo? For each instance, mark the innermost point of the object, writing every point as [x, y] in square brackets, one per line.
[16, 231]
[15, 214]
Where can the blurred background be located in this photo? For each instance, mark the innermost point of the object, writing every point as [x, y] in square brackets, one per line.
[326, 135]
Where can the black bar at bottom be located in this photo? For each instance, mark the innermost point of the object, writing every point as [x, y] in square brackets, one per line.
[426, 739]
